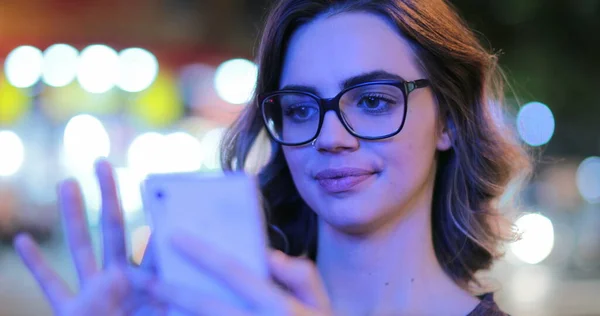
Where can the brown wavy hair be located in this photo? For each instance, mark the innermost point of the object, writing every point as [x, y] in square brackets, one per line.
[468, 86]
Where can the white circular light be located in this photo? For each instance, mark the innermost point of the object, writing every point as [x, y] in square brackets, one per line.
[13, 153]
[90, 190]
[85, 140]
[60, 65]
[129, 190]
[535, 123]
[23, 66]
[235, 80]
[210, 146]
[185, 152]
[156, 153]
[146, 154]
[98, 68]
[537, 239]
[588, 179]
[138, 69]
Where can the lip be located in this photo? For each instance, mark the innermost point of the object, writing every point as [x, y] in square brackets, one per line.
[342, 179]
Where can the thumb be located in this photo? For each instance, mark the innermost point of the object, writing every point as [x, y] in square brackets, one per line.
[299, 276]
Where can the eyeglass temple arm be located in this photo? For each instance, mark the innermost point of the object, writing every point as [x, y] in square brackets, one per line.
[412, 85]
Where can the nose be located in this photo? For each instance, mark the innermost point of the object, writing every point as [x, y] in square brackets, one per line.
[334, 137]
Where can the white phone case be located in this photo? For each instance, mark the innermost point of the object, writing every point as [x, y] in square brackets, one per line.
[221, 210]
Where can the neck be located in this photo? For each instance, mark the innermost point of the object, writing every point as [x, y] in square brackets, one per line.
[392, 270]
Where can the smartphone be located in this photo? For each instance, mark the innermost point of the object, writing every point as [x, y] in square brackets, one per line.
[222, 210]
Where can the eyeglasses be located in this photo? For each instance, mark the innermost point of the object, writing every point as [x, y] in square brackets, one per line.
[373, 110]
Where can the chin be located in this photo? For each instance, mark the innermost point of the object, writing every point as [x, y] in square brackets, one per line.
[354, 211]
[353, 215]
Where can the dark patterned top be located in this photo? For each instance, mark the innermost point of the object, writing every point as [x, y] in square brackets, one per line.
[487, 307]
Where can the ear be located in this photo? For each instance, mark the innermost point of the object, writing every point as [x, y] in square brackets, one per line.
[444, 141]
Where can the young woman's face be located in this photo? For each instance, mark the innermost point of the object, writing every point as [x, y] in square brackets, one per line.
[355, 184]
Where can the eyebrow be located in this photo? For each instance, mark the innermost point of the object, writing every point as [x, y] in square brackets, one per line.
[358, 79]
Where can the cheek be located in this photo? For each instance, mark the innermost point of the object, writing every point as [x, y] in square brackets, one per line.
[403, 163]
[296, 159]
[411, 153]
[420, 129]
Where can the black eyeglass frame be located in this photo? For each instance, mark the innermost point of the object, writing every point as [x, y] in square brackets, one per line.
[333, 104]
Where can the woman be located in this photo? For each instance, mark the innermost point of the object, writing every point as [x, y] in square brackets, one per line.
[388, 160]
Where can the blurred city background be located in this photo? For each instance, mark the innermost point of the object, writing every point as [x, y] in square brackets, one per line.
[152, 84]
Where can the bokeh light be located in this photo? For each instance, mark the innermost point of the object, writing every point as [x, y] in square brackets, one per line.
[129, 191]
[23, 66]
[185, 152]
[156, 153]
[85, 140]
[530, 284]
[14, 102]
[588, 179]
[13, 153]
[535, 123]
[91, 193]
[60, 65]
[62, 103]
[98, 69]
[210, 147]
[235, 80]
[138, 69]
[537, 238]
[161, 104]
[260, 153]
[145, 154]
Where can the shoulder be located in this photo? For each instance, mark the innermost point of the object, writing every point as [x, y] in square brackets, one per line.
[487, 307]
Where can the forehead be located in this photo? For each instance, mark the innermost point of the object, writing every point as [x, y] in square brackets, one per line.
[325, 52]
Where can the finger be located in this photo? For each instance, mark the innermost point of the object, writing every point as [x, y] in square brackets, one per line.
[149, 259]
[140, 279]
[301, 277]
[193, 302]
[107, 294]
[241, 280]
[113, 229]
[55, 289]
[76, 230]
[143, 302]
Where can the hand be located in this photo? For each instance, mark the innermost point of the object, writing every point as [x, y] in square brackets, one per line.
[305, 294]
[115, 289]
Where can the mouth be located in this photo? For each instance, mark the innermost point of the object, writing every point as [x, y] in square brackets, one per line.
[343, 179]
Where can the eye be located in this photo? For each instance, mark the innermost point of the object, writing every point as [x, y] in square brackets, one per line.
[372, 102]
[300, 112]
[375, 103]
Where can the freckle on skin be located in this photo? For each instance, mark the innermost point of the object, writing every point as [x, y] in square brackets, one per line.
[412, 280]
[387, 283]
